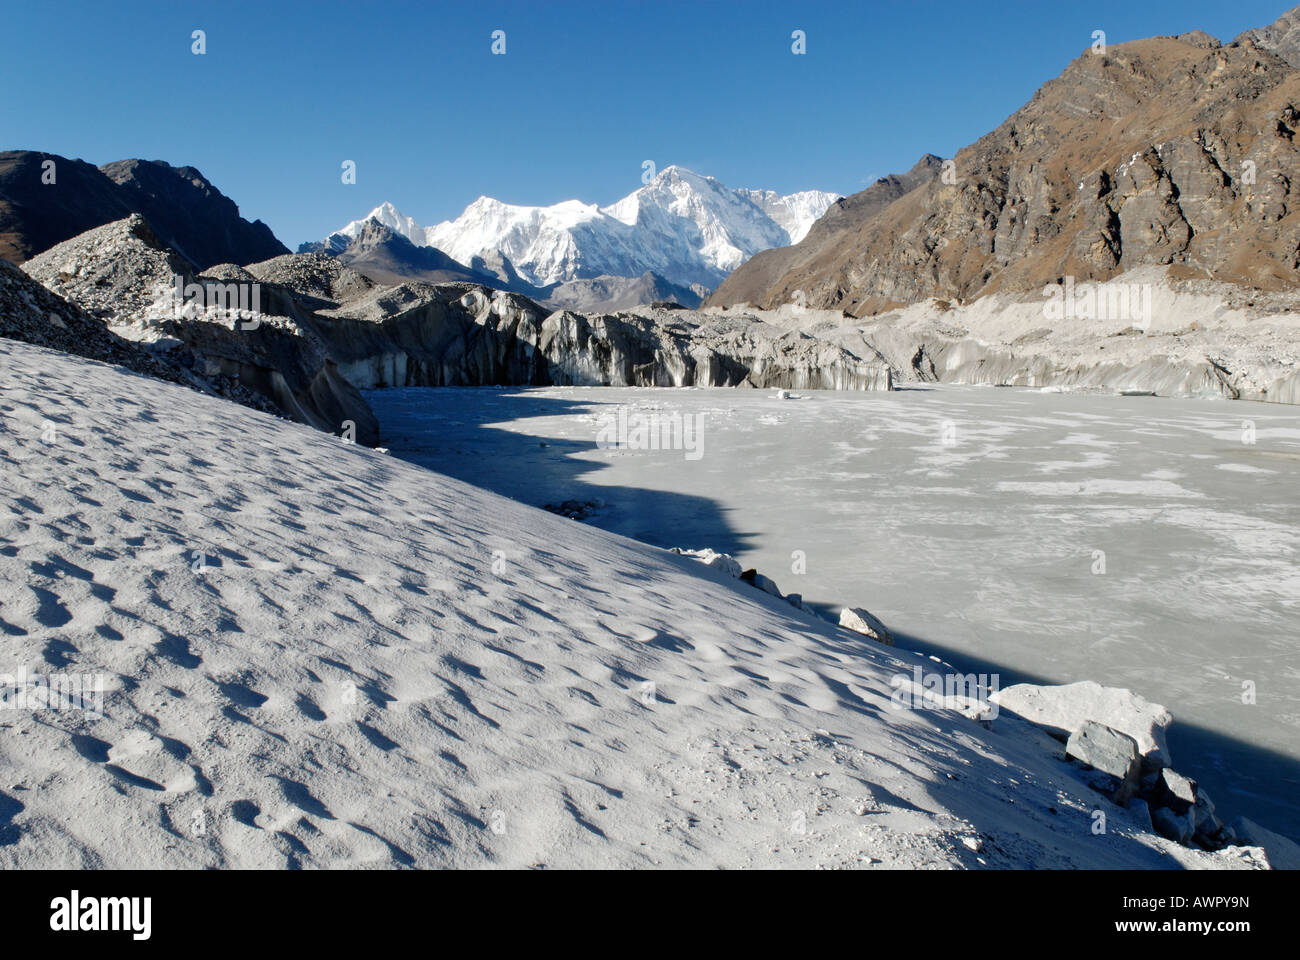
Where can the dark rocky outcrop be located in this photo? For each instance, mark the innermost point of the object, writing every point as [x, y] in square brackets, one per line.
[187, 212]
[385, 256]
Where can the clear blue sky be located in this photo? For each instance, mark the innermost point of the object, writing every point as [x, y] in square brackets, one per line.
[584, 94]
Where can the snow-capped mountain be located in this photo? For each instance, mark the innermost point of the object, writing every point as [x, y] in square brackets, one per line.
[685, 227]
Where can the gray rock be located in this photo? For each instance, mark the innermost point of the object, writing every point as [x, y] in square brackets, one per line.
[756, 579]
[1172, 826]
[1141, 814]
[1175, 791]
[1109, 751]
[1064, 708]
[1204, 821]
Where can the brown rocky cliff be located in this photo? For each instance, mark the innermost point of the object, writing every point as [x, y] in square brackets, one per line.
[1175, 151]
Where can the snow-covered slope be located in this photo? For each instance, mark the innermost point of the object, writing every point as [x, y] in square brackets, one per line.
[682, 226]
[318, 655]
[794, 213]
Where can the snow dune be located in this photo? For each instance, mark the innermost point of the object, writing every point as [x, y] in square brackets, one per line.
[316, 655]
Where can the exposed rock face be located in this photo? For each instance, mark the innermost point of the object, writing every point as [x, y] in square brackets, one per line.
[33, 314]
[312, 332]
[1174, 152]
[458, 335]
[1193, 337]
[780, 275]
[1282, 37]
[1175, 791]
[189, 214]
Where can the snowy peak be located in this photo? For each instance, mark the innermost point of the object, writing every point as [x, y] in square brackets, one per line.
[682, 226]
[393, 219]
[794, 213]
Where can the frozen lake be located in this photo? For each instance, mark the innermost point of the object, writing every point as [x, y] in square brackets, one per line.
[1136, 541]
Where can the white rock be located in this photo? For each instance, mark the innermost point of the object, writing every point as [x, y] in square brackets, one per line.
[1064, 709]
[711, 558]
[863, 621]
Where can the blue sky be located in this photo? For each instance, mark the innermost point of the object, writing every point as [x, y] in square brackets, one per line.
[585, 93]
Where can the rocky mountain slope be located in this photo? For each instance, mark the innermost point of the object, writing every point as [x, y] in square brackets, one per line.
[387, 256]
[761, 280]
[1282, 37]
[683, 227]
[1177, 152]
[313, 655]
[183, 208]
[126, 278]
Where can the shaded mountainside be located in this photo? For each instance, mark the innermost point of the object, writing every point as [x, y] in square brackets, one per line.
[386, 256]
[186, 211]
[1175, 151]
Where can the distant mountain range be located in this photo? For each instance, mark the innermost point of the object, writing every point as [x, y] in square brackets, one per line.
[43, 204]
[682, 229]
[386, 256]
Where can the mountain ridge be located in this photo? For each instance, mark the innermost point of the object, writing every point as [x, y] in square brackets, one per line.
[685, 228]
[189, 214]
[1170, 151]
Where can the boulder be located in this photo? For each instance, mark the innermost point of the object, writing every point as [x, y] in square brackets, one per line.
[863, 621]
[1109, 751]
[711, 558]
[1204, 822]
[1172, 826]
[756, 579]
[1063, 709]
[1175, 791]
[1141, 814]
[1282, 852]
